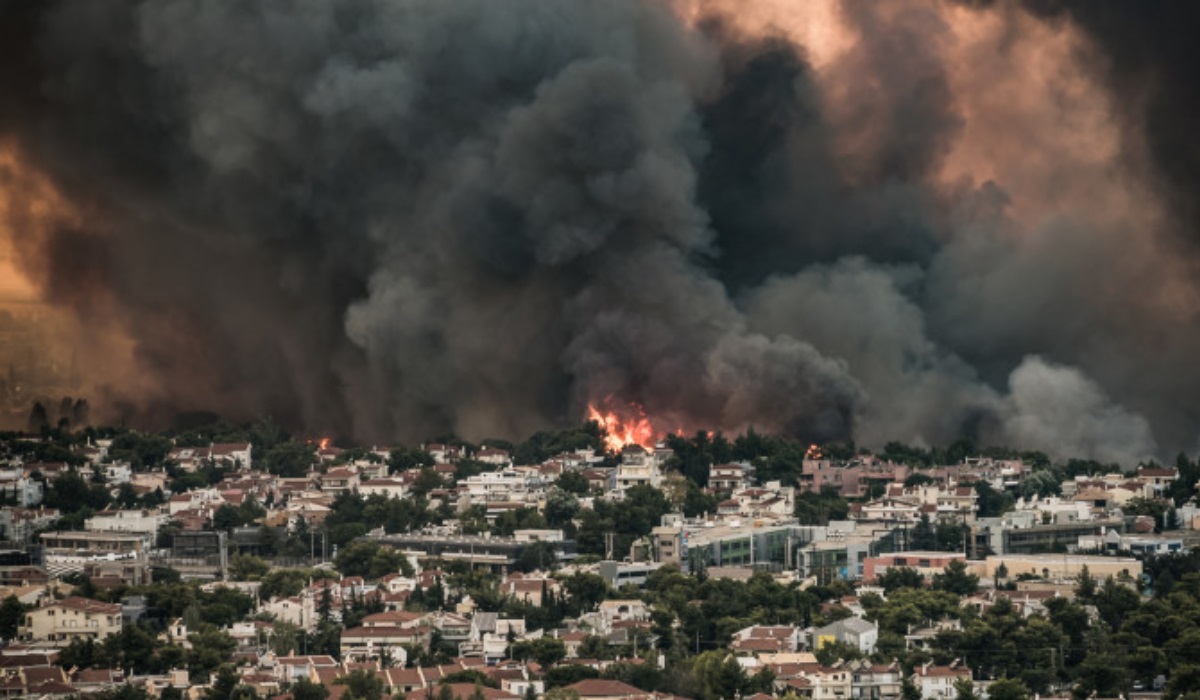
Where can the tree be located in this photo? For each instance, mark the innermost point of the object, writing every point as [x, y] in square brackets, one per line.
[573, 482]
[955, 579]
[992, 503]
[1007, 689]
[897, 577]
[918, 479]
[1114, 601]
[227, 686]
[537, 556]
[124, 692]
[305, 689]
[719, 675]
[369, 560]
[696, 502]
[924, 537]
[470, 676]
[226, 517]
[134, 647]
[427, 480]
[1085, 585]
[80, 653]
[1042, 483]
[403, 459]
[831, 652]
[964, 689]
[561, 507]
[569, 674]
[285, 638]
[547, 651]
[11, 612]
[282, 583]
[594, 647]
[585, 590]
[1001, 574]
[210, 648]
[246, 567]
[820, 508]
[290, 459]
[362, 685]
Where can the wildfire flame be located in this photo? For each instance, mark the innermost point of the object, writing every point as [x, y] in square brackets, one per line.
[623, 431]
[323, 443]
[814, 452]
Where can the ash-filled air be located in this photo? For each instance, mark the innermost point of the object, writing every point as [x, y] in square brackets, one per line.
[395, 218]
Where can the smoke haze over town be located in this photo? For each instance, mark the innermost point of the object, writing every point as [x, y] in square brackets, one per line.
[876, 221]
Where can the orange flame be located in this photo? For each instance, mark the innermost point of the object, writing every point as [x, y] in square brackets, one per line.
[323, 443]
[623, 431]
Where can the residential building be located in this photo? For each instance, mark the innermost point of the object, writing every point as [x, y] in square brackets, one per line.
[97, 554]
[20, 488]
[937, 682]
[870, 681]
[853, 631]
[61, 621]
[239, 454]
[143, 522]
[18, 524]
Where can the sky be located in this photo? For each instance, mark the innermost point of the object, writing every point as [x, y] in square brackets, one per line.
[898, 220]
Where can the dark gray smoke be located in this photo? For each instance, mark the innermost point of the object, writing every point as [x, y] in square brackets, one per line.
[395, 218]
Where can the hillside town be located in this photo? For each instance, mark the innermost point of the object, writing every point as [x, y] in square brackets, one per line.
[237, 562]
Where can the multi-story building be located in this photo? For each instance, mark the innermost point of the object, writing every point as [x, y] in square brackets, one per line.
[143, 522]
[1059, 566]
[197, 555]
[936, 682]
[97, 554]
[1016, 533]
[928, 564]
[638, 467]
[116, 473]
[339, 480]
[232, 453]
[1137, 545]
[853, 631]
[71, 618]
[729, 477]
[18, 487]
[870, 681]
[18, 524]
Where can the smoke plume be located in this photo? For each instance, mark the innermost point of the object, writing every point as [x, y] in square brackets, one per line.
[895, 220]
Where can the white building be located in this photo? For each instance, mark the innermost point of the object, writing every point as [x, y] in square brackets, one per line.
[853, 631]
[18, 524]
[118, 473]
[937, 682]
[15, 486]
[142, 522]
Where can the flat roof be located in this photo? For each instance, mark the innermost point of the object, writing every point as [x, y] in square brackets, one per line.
[92, 535]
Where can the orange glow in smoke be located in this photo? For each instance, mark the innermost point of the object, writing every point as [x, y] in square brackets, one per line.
[323, 444]
[621, 431]
[31, 199]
